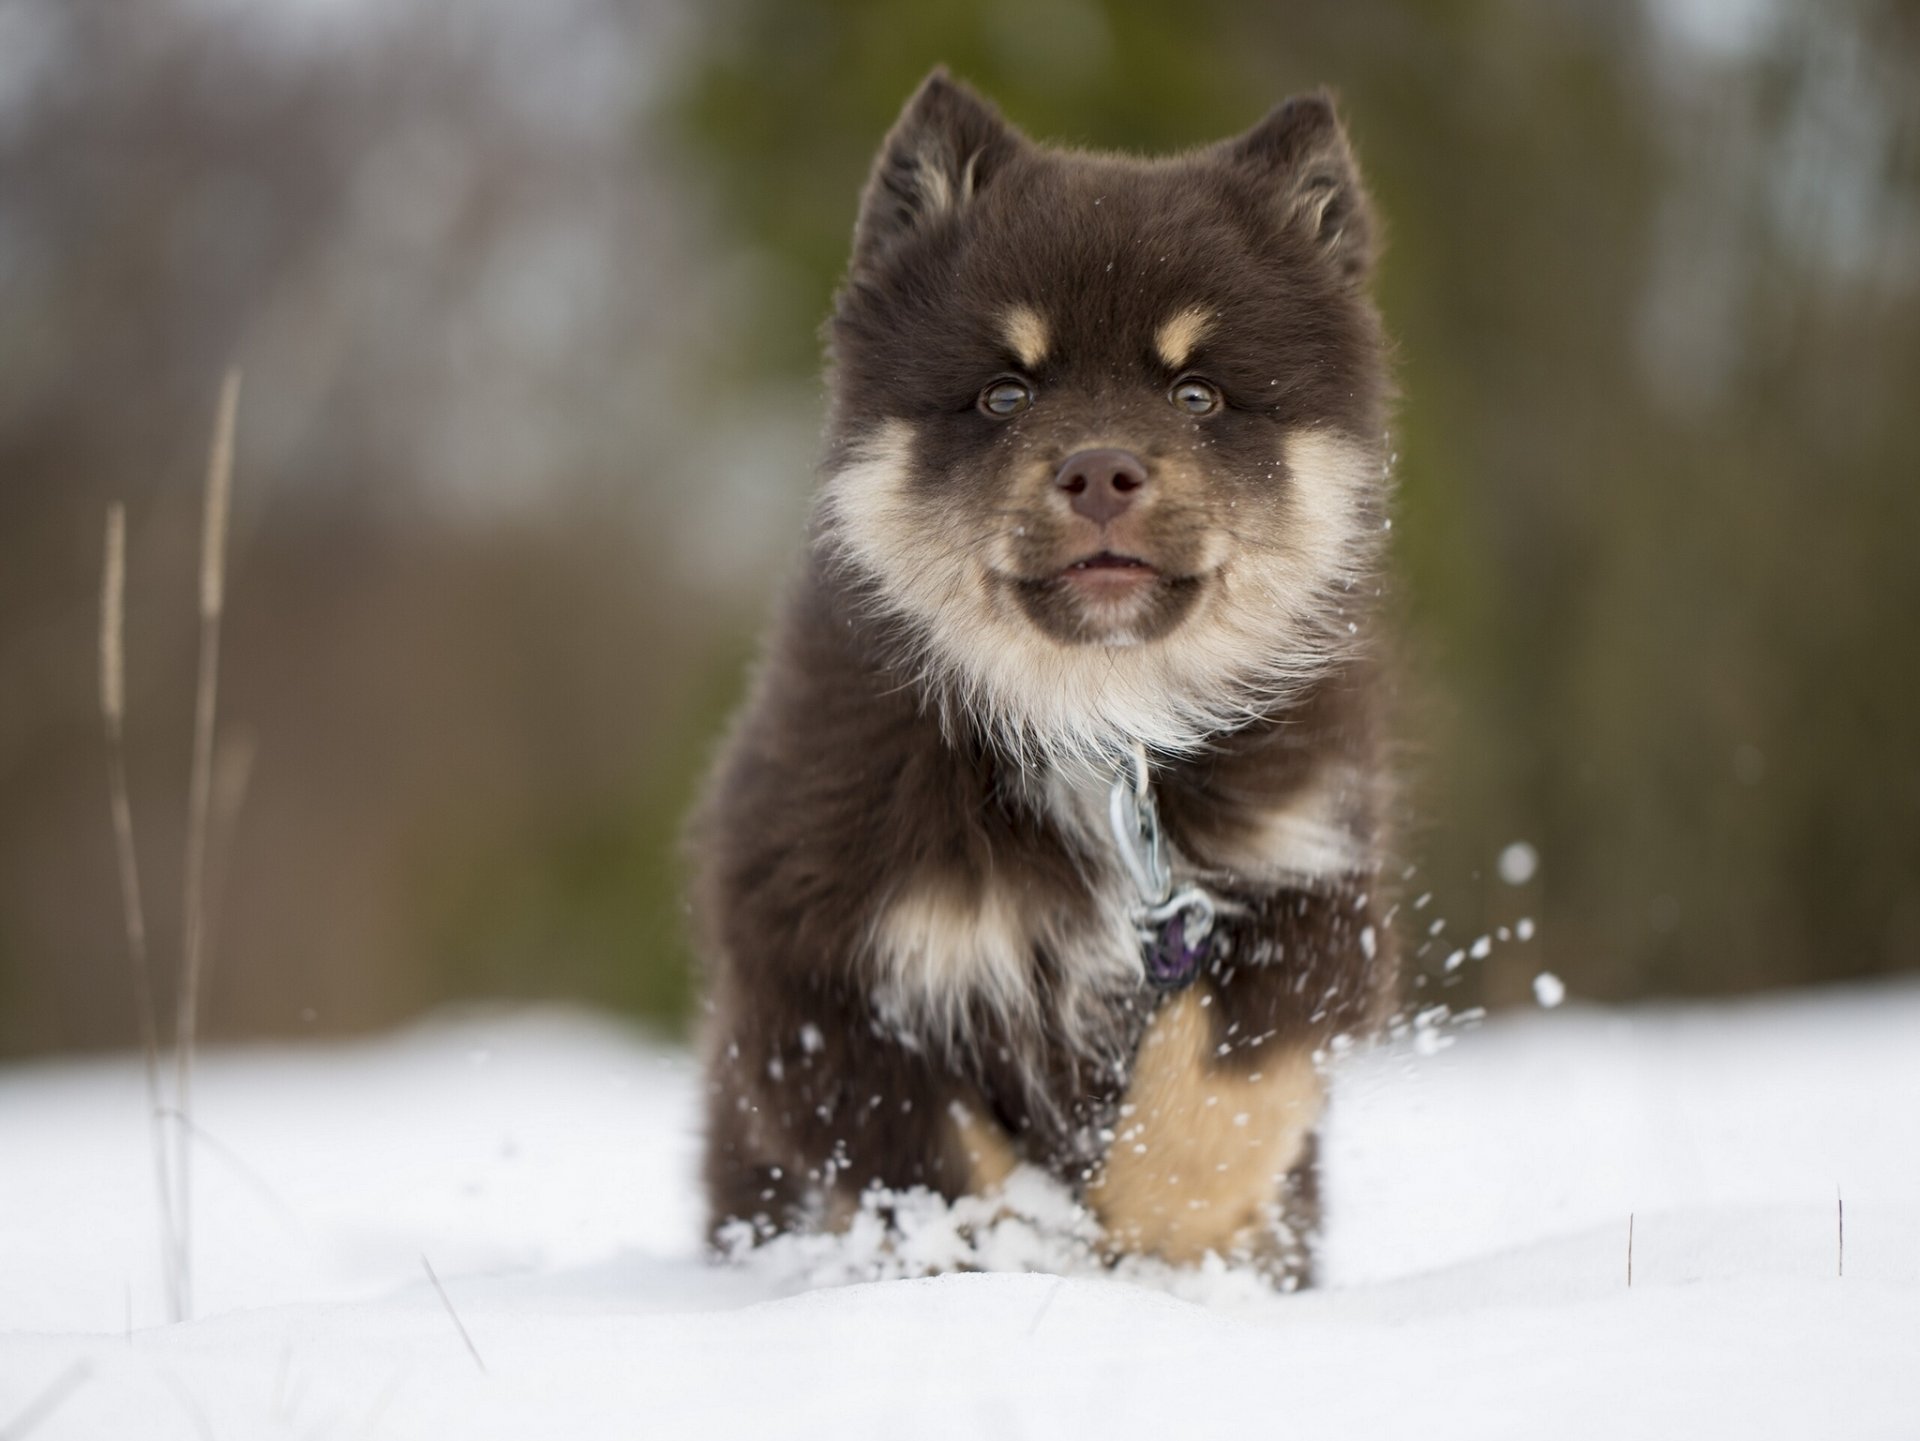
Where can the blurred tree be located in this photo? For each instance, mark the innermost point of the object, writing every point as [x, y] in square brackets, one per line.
[1654, 276]
[527, 298]
[464, 617]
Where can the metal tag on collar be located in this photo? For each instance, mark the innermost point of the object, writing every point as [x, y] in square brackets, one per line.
[1174, 937]
[1174, 926]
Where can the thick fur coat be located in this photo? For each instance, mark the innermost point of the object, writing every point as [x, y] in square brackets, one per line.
[1105, 479]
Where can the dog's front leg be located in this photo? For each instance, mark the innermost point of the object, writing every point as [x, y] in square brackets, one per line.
[1214, 1148]
[1205, 1143]
[812, 1102]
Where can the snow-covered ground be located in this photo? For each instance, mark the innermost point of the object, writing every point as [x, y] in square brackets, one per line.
[1476, 1261]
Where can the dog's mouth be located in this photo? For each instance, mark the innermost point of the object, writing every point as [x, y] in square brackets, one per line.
[1109, 570]
[1107, 598]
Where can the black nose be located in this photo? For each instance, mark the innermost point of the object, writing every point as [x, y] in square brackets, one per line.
[1100, 484]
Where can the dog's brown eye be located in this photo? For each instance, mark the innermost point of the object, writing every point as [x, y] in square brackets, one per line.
[1005, 397]
[1195, 397]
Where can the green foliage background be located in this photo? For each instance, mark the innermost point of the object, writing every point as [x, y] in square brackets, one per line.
[1660, 630]
[529, 298]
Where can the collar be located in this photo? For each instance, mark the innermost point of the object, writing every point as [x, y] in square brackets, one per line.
[1175, 926]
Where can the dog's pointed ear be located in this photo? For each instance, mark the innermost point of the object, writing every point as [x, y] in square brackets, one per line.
[1301, 157]
[947, 144]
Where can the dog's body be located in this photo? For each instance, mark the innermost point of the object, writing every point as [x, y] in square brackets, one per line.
[1105, 488]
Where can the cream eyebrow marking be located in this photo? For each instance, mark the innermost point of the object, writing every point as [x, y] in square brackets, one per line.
[1179, 334]
[1026, 334]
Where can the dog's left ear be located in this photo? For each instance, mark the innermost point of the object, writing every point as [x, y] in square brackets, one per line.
[946, 145]
[1300, 155]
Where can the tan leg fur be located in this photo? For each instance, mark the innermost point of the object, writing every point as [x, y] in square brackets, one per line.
[1201, 1151]
[985, 1147]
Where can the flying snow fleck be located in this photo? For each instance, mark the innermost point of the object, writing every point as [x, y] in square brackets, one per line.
[1549, 990]
[1518, 863]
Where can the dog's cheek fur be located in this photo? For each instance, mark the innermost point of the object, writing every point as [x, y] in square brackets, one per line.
[1274, 618]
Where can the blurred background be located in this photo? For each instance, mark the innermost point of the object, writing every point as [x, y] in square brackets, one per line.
[527, 299]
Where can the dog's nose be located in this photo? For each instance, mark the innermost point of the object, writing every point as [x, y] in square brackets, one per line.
[1100, 484]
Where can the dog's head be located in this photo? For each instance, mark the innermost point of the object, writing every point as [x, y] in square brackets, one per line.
[1106, 448]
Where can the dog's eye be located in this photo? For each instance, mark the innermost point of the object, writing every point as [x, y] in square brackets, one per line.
[1195, 397]
[1005, 397]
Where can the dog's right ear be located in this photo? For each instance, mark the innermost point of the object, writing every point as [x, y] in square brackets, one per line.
[947, 144]
[1300, 159]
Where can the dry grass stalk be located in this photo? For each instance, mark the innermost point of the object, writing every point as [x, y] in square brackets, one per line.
[382, 1401]
[278, 1408]
[447, 1301]
[1629, 1250]
[47, 1402]
[189, 1403]
[254, 1181]
[213, 546]
[1840, 1206]
[232, 775]
[113, 606]
[1053, 1294]
[113, 710]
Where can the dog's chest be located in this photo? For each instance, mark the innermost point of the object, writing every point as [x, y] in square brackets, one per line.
[1038, 929]
[1031, 934]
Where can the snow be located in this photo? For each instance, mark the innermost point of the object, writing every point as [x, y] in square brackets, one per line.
[1478, 1198]
[1518, 862]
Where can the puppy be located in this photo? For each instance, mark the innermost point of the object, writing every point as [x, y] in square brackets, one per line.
[1051, 830]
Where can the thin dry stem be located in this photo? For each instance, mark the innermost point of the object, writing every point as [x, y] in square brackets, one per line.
[113, 605]
[232, 775]
[383, 1401]
[189, 1403]
[280, 1382]
[447, 1301]
[1053, 1294]
[213, 535]
[258, 1183]
[213, 538]
[1629, 1250]
[113, 710]
[47, 1402]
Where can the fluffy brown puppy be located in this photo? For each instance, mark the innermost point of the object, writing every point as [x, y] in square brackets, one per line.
[1051, 831]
